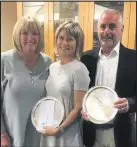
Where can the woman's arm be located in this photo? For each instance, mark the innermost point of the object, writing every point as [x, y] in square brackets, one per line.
[81, 84]
[78, 98]
[5, 141]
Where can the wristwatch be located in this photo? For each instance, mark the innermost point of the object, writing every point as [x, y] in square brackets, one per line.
[61, 129]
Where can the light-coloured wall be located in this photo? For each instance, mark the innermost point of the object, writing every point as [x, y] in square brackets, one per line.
[8, 20]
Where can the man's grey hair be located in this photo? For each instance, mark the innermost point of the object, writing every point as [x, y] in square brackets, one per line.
[115, 12]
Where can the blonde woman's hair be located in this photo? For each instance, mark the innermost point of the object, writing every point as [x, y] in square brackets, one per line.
[27, 24]
[72, 29]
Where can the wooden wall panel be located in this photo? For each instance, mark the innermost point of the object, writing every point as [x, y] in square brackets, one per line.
[82, 12]
[46, 28]
[132, 26]
[51, 30]
[126, 22]
[80, 15]
[19, 10]
[85, 19]
[129, 21]
[90, 25]
[85, 27]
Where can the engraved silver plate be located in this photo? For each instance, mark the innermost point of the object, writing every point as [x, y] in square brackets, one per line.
[98, 104]
[48, 111]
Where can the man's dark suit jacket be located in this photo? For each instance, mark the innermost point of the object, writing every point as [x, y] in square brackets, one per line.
[125, 87]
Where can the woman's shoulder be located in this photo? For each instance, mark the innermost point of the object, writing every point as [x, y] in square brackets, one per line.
[78, 66]
[46, 58]
[7, 54]
[54, 64]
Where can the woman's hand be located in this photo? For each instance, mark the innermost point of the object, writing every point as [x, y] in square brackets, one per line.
[5, 142]
[49, 131]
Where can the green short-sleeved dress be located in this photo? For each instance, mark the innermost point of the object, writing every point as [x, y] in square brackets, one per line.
[21, 89]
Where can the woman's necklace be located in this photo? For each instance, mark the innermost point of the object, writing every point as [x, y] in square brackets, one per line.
[30, 67]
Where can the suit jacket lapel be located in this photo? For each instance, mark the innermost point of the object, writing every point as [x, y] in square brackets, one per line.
[95, 53]
[120, 70]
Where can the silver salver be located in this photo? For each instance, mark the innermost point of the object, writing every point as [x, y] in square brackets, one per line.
[48, 111]
[98, 103]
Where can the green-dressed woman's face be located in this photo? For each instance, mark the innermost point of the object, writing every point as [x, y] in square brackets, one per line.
[29, 39]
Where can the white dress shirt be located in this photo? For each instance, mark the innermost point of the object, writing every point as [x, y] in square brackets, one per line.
[106, 76]
[107, 68]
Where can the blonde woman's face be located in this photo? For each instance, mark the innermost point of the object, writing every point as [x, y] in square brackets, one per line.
[29, 40]
[66, 45]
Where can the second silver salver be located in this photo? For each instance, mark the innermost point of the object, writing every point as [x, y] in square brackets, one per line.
[98, 104]
[48, 111]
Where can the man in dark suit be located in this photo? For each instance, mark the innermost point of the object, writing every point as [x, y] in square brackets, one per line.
[112, 65]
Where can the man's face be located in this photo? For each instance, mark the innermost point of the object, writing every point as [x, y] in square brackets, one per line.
[109, 30]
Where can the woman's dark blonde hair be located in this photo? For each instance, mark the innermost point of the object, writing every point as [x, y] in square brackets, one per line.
[72, 29]
[27, 24]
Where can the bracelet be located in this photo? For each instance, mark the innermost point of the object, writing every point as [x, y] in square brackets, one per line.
[61, 129]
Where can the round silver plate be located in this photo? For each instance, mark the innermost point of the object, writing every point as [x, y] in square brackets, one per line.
[48, 111]
[98, 104]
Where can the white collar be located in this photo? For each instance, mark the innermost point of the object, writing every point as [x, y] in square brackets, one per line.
[113, 53]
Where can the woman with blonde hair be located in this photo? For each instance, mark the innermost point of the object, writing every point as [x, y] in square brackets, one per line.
[24, 71]
[68, 81]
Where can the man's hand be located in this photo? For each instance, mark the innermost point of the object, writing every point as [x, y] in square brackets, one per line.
[84, 116]
[122, 105]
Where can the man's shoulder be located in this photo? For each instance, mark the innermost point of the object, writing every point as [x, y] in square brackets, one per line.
[128, 51]
[90, 52]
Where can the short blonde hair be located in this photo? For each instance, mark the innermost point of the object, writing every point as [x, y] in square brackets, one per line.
[27, 23]
[72, 29]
